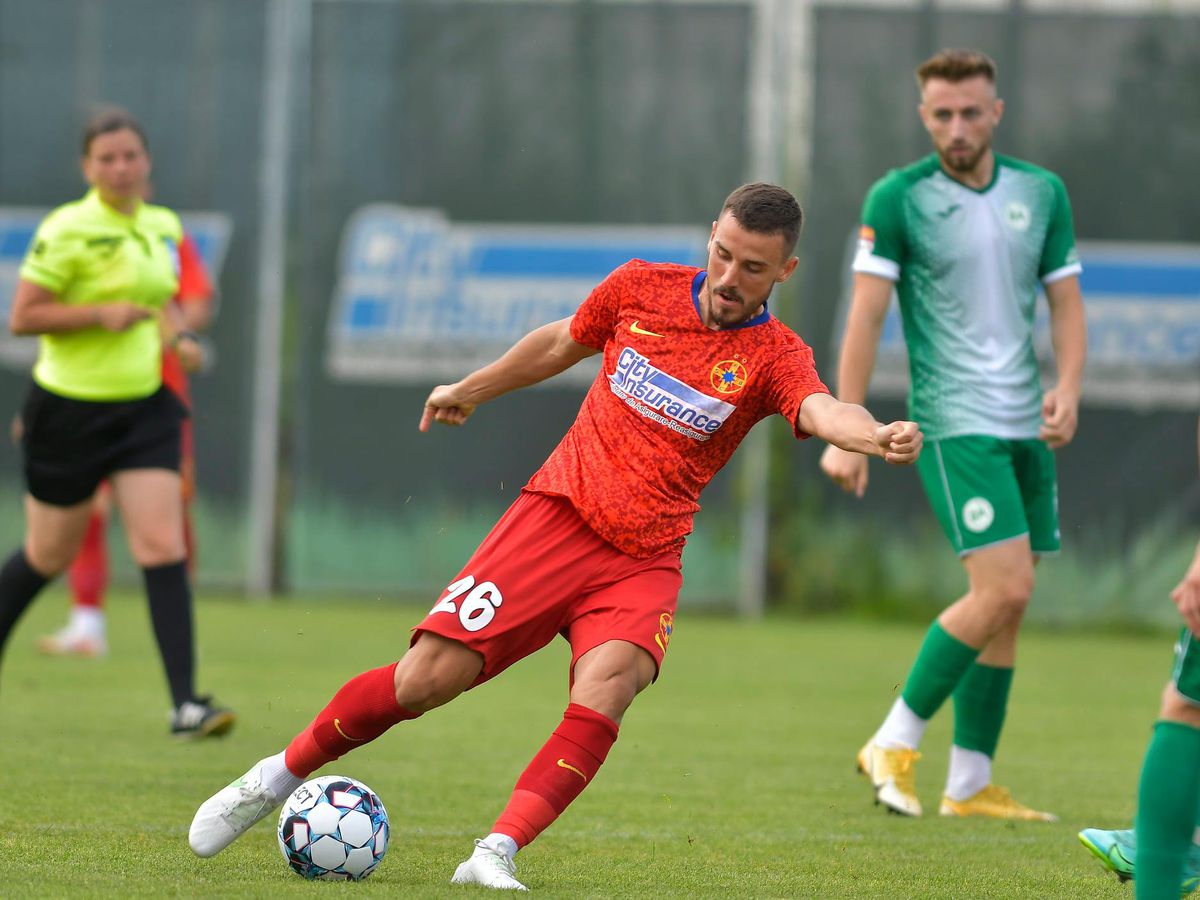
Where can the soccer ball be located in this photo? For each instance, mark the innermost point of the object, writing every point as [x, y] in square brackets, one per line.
[333, 828]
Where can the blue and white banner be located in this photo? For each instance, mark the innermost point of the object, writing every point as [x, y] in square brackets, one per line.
[1142, 303]
[421, 299]
[211, 232]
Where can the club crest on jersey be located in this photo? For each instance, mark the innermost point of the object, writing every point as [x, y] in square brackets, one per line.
[653, 393]
[666, 625]
[1017, 215]
[728, 376]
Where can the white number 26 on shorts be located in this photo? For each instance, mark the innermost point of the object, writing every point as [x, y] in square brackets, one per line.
[478, 607]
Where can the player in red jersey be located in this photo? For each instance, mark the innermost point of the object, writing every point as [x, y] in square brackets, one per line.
[591, 548]
[190, 312]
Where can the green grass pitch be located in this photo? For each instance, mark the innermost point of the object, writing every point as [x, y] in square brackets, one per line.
[733, 775]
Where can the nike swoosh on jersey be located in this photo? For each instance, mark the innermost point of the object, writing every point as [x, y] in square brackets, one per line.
[636, 330]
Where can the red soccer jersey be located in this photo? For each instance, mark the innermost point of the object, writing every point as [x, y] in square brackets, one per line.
[672, 401]
[194, 287]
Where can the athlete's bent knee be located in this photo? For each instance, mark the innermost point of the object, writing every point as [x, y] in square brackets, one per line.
[1178, 708]
[434, 671]
[610, 697]
[48, 560]
[610, 676]
[1009, 599]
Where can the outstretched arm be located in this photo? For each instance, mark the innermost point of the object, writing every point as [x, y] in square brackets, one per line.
[868, 309]
[1068, 332]
[851, 428]
[541, 354]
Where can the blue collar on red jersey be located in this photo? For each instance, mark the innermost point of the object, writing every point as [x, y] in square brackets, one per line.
[699, 280]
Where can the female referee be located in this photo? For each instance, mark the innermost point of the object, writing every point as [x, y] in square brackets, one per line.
[93, 286]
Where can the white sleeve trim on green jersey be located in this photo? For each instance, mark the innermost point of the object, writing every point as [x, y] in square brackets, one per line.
[871, 264]
[1065, 272]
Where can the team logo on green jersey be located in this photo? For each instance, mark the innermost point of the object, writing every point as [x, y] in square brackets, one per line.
[1017, 215]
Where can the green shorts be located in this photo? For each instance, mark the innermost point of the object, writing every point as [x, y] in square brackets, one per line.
[986, 490]
[1186, 674]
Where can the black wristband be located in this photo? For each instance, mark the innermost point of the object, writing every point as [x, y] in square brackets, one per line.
[185, 336]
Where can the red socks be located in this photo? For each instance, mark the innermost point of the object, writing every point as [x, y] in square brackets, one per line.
[361, 711]
[366, 707]
[564, 766]
[88, 574]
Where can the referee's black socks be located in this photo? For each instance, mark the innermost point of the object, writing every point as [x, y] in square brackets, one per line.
[170, 598]
[19, 584]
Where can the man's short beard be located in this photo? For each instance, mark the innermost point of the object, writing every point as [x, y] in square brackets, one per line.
[729, 318]
[967, 164]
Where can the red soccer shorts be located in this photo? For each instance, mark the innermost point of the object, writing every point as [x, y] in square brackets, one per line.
[542, 571]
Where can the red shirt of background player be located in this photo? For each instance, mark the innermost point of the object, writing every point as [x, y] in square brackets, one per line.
[194, 287]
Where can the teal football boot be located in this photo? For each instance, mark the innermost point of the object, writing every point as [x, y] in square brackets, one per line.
[1117, 850]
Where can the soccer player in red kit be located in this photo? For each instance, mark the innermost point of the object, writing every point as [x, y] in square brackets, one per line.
[190, 312]
[591, 548]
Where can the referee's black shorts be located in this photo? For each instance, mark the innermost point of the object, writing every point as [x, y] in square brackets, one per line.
[70, 446]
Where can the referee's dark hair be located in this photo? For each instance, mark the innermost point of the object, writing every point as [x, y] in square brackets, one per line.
[766, 209]
[111, 119]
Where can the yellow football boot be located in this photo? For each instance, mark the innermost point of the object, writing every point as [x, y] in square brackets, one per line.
[994, 802]
[891, 772]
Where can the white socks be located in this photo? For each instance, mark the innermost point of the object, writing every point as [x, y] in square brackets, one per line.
[498, 841]
[86, 621]
[970, 772]
[901, 728]
[278, 779]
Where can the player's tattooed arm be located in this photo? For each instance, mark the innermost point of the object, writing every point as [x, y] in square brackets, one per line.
[541, 354]
[850, 427]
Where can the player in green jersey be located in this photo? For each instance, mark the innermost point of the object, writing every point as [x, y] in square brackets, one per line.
[93, 287]
[964, 237]
[1161, 847]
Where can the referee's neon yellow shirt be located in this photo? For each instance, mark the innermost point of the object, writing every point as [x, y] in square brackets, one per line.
[88, 253]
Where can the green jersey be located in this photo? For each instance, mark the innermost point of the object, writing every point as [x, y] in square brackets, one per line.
[88, 253]
[966, 264]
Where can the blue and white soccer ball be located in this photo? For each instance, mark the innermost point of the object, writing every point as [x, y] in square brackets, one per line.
[334, 828]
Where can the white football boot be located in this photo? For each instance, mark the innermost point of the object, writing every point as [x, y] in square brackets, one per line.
[223, 817]
[489, 866]
[73, 641]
